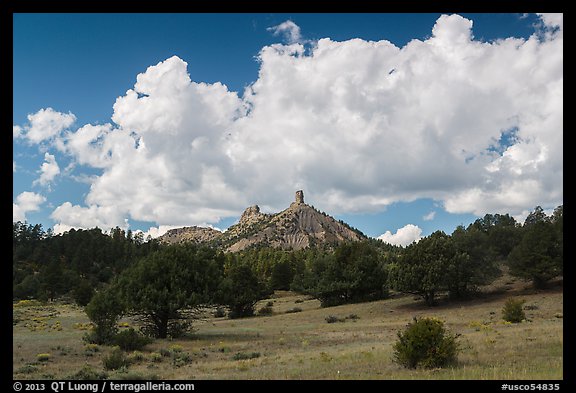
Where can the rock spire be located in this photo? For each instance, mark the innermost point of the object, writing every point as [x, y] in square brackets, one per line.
[299, 197]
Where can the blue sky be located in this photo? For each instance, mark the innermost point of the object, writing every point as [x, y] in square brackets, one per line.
[384, 120]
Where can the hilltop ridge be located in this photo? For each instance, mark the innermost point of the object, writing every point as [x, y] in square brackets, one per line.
[297, 227]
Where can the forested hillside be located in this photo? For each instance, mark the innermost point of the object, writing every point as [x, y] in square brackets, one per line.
[80, 262]
[45, 266]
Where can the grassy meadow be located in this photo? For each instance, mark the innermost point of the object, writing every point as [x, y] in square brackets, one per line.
[297, 342]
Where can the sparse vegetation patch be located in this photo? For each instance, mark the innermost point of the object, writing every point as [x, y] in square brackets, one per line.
[245, 356]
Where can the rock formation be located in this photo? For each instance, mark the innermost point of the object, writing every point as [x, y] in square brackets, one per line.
[297, 227]
[190, 234]
[299, 197]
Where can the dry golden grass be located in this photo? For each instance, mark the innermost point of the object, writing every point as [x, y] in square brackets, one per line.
[302, 345]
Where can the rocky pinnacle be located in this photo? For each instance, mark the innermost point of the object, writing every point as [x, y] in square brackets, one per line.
[299, 197]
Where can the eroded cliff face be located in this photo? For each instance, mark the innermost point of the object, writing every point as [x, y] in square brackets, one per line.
[295, 228]
[298, 227]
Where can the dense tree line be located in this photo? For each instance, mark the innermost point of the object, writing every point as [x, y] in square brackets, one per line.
[539, 254]
[47, 266]
[301, 270]
[120, 274]
[354, 272]
[459, 264]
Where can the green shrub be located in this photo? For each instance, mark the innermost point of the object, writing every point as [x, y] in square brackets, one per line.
[266, 310]
[180, 359]
[333, 318]
[512, 311]
[136, 357]
[115, 360]
[425, 343]
[131, 340]
[27, 369]
[133, 376]
[156, 357]
[43, 357]
[104, 311]
[91, 348]
[245, 356]
[87, 373]
[220, 312]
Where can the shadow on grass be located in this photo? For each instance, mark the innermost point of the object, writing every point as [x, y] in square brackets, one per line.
[210, 336]
[517, 288]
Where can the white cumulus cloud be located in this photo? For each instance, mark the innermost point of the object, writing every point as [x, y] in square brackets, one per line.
[165, 151]
[452, 30]
[403, 236]
[356, 124]
[16, 131]
[158, 231]
[44, 125]
[48, 171]
[289, 30]
[71, 216]
[552, 20]
[26, 202]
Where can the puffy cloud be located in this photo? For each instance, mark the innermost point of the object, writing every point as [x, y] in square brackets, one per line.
[403, 236]
[289, 30]
[17, 213]
[26, 202]
[452, 30]
[164, 161]
[361, 124]
[60, 228]
[71, 216]
[44, 125]
[553, 21]
[158, 231]
[48, 171]
[16, 131]
[88, 145]
[356, 124]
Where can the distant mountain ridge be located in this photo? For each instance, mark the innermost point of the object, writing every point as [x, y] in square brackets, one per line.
[295, 228]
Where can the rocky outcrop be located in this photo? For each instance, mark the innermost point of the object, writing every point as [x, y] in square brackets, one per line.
[251, 216]
[248, 223]
[300, 226]
[295, 228]
[299, 197]
[192, 234]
